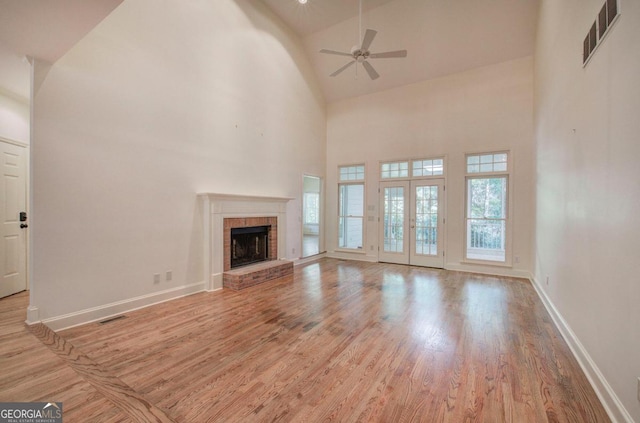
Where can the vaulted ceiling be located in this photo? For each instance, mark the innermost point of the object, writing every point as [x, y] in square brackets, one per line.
[442, 36]
[44, 29]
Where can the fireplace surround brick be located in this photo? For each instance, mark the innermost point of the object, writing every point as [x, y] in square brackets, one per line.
[244, 222]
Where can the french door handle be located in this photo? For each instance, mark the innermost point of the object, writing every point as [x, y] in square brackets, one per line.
[23, 225]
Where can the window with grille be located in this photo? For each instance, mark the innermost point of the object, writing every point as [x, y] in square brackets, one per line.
[487, 184]
[351, 207]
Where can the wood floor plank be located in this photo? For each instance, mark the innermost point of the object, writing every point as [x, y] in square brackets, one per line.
[125, 398]
[32, 373]
[345, 341]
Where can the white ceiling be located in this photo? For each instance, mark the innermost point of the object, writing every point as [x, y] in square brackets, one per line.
[45, 30]
[316, 15]
[442, 36]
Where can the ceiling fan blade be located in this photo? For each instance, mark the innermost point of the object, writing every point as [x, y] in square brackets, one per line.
[388, 54]
[368, 39]
[370, 70]
[339, 53]
[343, 68]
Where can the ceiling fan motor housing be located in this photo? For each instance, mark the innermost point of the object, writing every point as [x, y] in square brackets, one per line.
[359, 55]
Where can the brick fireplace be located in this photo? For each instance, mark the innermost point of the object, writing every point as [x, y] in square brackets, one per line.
[223, 212]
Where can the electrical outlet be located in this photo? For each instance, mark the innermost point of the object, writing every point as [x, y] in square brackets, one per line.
[169, 275]
[517, 259]
[547, 279]
[293, 251]
[156, 278]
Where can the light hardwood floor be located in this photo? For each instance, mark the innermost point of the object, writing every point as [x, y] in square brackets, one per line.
[338, 341]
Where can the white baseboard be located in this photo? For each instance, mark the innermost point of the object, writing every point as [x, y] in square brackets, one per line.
[215, 283]
[114, 309]
[610, 401]
[352, 256]
[305, 260]
[493, 270]
[32, 315]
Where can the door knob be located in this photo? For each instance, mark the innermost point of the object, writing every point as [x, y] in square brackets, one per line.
[23, 225]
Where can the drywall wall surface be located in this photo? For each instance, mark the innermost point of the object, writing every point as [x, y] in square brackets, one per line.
[588, 195]
[14, 119]
[156, 104]
[483, 110]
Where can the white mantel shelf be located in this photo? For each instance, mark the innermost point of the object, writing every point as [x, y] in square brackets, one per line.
[237, 197]
[218, 206]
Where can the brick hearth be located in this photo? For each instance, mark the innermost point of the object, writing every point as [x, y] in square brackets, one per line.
[244, 277]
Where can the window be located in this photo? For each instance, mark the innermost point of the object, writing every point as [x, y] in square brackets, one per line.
[352, 173]
[311, 207]
[487, 163]
[432, 167]
[419, 168]
[351, 207]
[394, 170]
[486, 207]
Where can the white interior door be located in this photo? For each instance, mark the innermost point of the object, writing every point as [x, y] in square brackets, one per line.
[12, 204]
[412, 221]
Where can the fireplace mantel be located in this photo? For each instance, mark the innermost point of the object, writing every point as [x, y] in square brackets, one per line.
[216, 207]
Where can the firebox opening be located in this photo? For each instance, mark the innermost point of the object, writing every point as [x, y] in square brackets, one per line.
[249, 245]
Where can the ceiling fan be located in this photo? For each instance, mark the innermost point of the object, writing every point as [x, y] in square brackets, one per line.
[361, 54]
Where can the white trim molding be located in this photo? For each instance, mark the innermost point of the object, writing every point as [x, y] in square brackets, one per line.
[217, 207]
[610, 401]
[310, 259]
[352, 255]
[487, 269]
[120, 307]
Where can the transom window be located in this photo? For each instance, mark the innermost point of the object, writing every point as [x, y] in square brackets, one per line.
[394, 170]
[427, 167]
[352, 173]
[483, 163]
[419, 168]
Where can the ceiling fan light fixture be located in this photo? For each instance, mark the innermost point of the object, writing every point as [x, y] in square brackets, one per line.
[302, 1]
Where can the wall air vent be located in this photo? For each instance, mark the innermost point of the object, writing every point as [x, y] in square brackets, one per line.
[112, 319]
[599, 29]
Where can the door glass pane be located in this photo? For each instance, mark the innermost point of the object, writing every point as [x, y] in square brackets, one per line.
[393, 219]
[426, 220]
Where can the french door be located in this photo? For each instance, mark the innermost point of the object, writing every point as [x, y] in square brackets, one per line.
[411, 222]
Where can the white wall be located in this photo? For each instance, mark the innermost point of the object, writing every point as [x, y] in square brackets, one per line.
[157, 103]
[485, 109]
[587, 130]
[14, 119]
